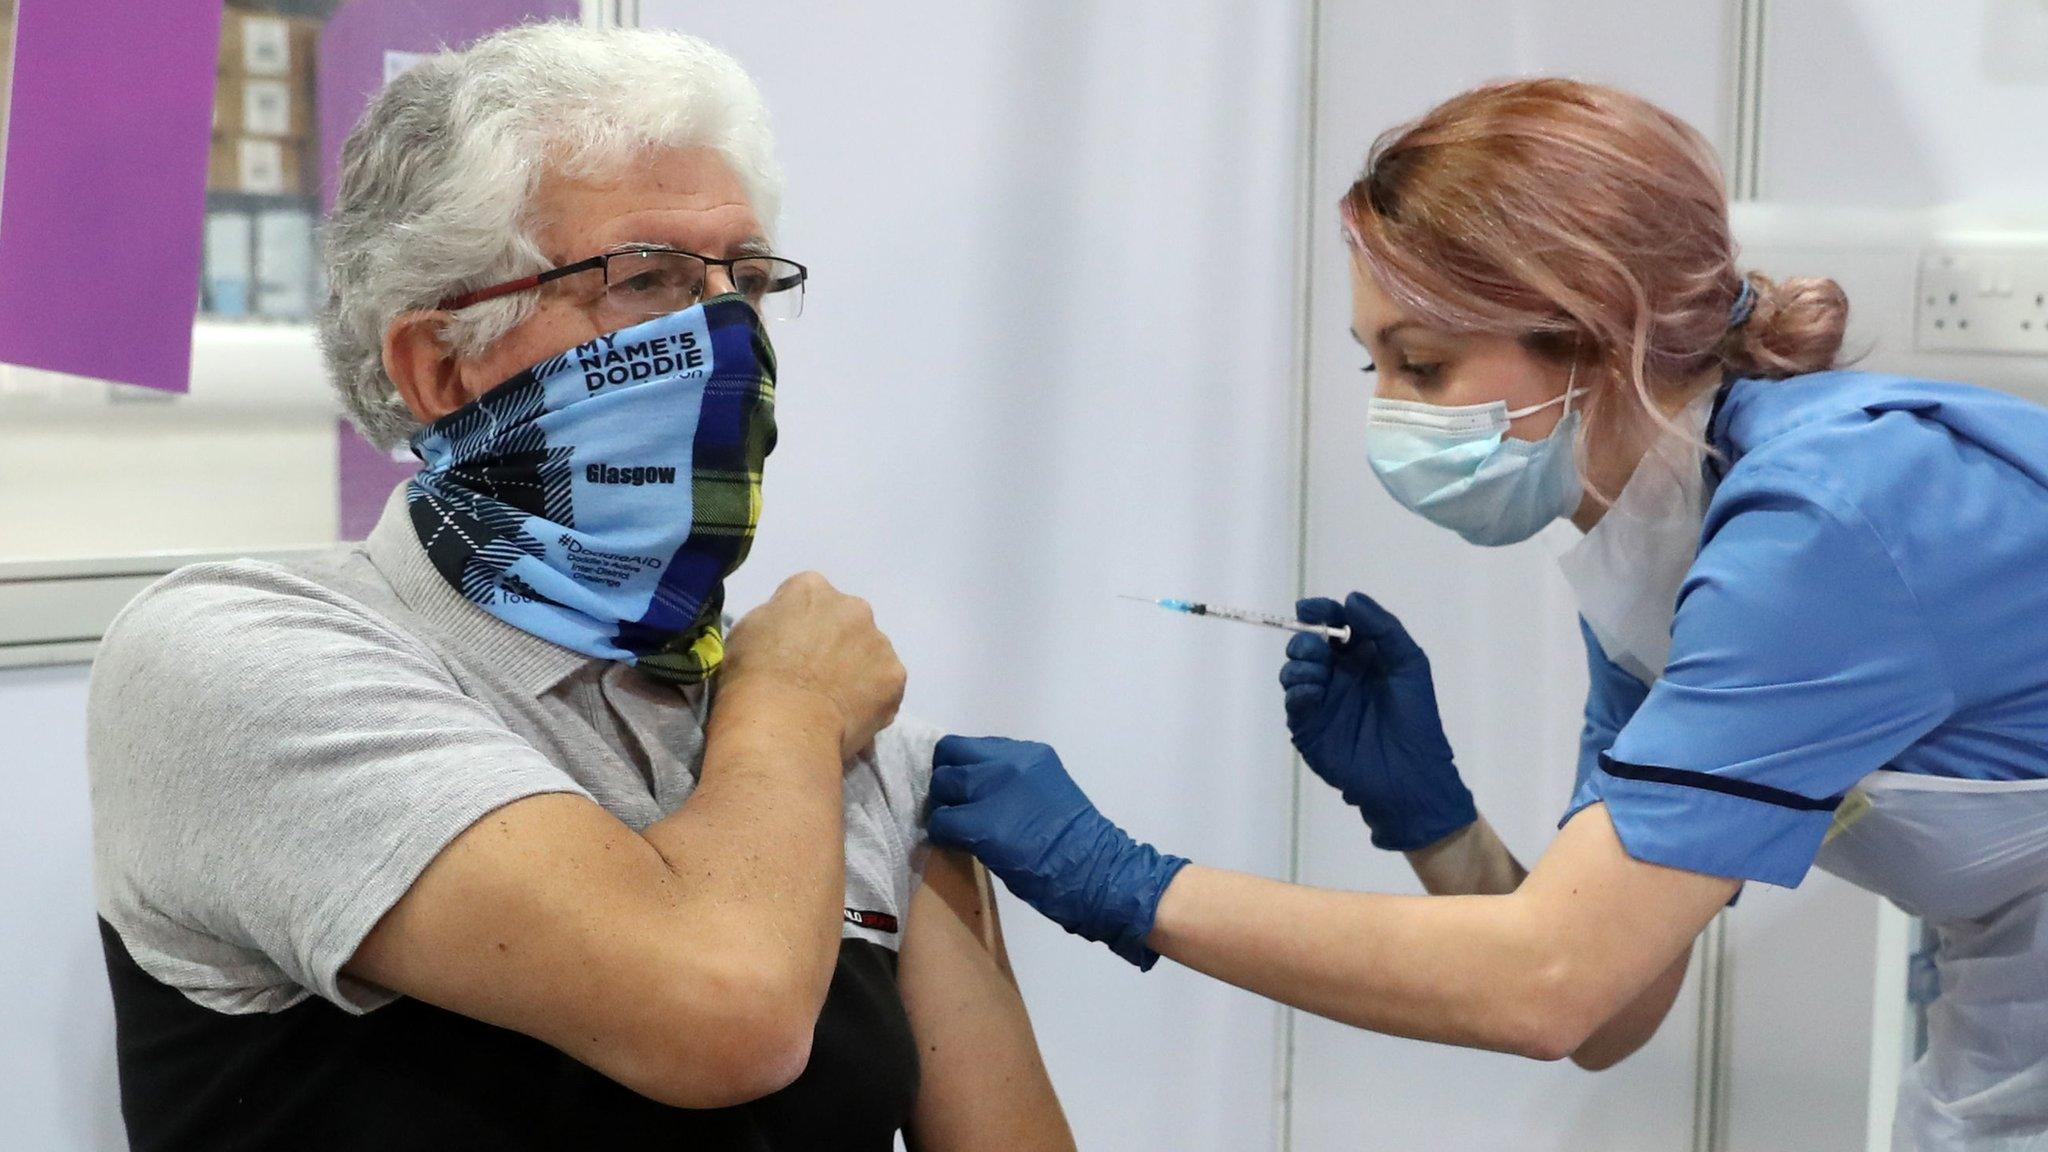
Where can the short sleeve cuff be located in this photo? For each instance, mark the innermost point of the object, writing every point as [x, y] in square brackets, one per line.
[1705, 823]
[353, 910]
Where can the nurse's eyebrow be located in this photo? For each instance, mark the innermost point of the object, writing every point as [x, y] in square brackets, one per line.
[1390, 329]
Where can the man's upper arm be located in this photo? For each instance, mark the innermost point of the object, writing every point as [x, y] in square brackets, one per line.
[551, 917]
[284, 771]
[272, 767]
[983, 1084]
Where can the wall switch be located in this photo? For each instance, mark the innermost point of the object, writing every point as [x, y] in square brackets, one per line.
[1983, 298]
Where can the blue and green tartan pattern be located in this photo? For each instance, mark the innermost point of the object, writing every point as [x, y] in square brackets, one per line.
[600, 498]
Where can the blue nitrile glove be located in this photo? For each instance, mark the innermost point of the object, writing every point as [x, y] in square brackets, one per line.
[1012, 804]
[1363, 714]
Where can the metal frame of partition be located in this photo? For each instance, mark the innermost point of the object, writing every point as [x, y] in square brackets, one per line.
[1303, 368]
[611, 13]
[1714, 1048]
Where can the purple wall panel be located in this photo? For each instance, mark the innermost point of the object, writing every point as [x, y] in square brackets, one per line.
[104, 204]
[367, 478]
[353, 47]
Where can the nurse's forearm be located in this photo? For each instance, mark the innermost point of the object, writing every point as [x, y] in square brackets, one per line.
[1452, 969]
[1469, 862]
[1538, 972]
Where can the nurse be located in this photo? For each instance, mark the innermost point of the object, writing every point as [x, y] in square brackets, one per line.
[1815, 609]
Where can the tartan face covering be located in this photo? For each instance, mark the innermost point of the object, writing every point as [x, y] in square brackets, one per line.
[600, 498]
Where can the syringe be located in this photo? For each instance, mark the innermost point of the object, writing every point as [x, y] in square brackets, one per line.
[1337, 633]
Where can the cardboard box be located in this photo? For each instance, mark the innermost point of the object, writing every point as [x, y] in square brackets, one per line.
[257, 166]
[261, 106]
[265, 44]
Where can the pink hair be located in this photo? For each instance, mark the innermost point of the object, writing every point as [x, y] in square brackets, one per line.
[1579, 218]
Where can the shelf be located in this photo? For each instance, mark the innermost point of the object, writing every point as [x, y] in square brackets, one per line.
[217, 201]
[256, 368]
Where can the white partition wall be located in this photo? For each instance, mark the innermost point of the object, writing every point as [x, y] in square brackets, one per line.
[1046, 359]
[1499, 625]
[1897, 103]
[57, 1091]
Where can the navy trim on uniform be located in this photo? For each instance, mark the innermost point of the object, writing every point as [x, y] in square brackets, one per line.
[1747, 789]
[1714, 463]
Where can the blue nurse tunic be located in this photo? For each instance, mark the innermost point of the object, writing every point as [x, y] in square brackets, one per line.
[1870, 594]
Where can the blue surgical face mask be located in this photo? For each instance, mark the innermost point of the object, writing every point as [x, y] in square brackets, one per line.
[1458, 467]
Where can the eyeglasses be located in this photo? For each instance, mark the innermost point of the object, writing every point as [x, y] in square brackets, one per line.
[645, 281]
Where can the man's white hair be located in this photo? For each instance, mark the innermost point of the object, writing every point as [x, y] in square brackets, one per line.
[438, 178]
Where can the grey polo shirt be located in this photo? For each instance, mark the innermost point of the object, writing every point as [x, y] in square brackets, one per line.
[277, 751]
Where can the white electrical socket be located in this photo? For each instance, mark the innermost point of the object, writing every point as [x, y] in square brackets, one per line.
[1983, 297]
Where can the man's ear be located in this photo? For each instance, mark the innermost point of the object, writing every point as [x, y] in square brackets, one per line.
[427, 376]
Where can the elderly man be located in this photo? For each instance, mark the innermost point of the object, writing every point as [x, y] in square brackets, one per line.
[483, 834]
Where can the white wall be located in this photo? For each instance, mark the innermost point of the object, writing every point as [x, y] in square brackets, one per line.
[1905, 103]
[57, 1088]
[113, 483]
[1045, 360]
[245, 460]
[1802, 977]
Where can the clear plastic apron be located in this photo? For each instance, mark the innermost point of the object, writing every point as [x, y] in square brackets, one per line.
[1971, 858]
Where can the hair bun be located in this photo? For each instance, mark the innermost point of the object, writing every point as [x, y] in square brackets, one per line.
[1796, 327]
